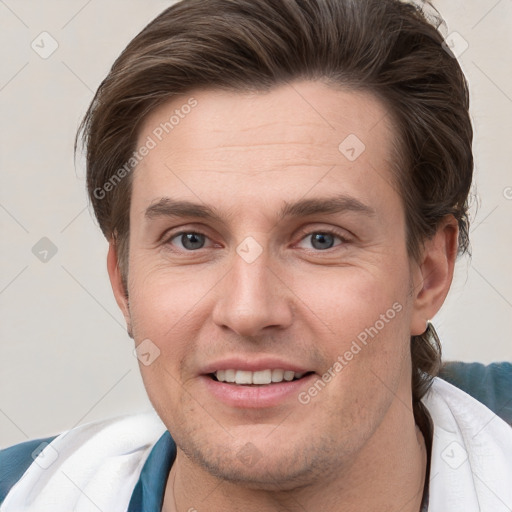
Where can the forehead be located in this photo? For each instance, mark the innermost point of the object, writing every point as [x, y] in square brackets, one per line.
[241, 149]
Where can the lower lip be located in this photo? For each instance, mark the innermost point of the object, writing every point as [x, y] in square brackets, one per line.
[254, 397]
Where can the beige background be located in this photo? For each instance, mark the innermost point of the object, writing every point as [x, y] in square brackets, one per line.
[65, 356]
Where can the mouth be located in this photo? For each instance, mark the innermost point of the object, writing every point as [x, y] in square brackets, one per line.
[258, 378]
[263, 389]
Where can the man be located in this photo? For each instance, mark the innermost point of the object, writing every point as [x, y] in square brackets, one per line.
[284, 187]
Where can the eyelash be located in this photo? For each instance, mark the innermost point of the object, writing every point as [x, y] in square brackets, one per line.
[303, 236]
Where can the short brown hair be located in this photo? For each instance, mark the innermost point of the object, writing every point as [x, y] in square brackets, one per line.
[385, 47]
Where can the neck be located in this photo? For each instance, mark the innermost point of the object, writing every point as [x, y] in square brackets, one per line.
[388, 474]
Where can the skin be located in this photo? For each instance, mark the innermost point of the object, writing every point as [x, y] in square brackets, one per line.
[355, 445]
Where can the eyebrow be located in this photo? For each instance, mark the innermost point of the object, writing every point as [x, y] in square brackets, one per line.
[168, 207]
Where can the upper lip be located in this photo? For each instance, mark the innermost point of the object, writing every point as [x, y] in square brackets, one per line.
[253, 365]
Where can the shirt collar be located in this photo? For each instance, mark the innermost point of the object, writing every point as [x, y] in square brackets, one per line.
[148, 494]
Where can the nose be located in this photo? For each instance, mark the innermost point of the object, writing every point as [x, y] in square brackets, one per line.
[253, 297]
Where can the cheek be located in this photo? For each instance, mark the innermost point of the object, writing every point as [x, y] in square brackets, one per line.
[164, 310]
[162, 299]
[363, 331]
[349, 300]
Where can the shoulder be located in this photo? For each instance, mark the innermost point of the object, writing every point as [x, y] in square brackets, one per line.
[105, 457]
[489, 384]
[15, 460]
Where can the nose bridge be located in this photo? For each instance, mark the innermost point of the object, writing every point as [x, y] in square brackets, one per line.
[252, 297]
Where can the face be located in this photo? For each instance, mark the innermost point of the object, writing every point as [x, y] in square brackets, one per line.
[267, 242]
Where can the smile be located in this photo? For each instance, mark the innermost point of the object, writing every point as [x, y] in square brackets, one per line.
[262, 377]
[261, 389]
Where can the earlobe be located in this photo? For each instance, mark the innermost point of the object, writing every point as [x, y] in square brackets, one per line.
[116, 281]
[435, 274]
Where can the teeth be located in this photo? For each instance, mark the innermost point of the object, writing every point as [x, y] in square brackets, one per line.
[243, 377]
[277, 375]
[288, 375]
[262, 377]
[258, 378]
[230, 375]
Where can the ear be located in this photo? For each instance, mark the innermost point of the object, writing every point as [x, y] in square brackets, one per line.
[116, 282]
[434, 274]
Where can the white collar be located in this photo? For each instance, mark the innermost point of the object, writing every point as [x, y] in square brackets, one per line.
[471, 461]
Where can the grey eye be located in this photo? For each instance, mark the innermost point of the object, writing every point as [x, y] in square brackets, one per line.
[191, 241]
[322, 240]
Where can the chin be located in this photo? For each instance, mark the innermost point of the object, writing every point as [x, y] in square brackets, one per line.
[278, 474]
[267, 464]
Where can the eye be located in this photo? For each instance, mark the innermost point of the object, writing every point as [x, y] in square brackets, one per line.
[189, 240]
[323, 240]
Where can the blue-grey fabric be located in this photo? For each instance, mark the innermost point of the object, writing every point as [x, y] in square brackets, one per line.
[15, 460]
[148, 494]
[490, 385]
